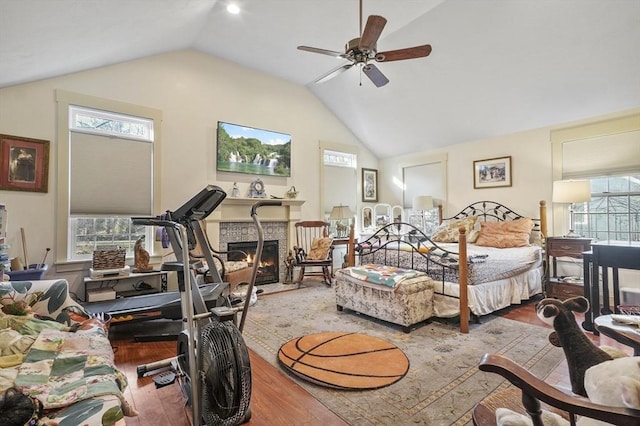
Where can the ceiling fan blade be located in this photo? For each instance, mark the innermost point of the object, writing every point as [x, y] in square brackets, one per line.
[400, 54]
[333, 73]
[322, 51]
[375, 75]
[372, 30]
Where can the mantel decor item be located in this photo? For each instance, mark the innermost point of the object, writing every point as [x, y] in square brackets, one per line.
[492, 173]
[369, 185]
[235, 191]
[292, 192]
[24, 164]
[256, 189]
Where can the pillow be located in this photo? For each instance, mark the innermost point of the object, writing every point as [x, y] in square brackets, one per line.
[319, 248]
[506, 417]
[448, 231]
[615, 383]
[515, 233]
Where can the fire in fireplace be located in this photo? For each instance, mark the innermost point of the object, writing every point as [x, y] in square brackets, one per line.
[268, 269]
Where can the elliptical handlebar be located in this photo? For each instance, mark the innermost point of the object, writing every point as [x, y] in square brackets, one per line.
[264, 203]
[155, 221]
[258, 255]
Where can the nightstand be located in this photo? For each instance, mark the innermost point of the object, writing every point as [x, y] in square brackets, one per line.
[563, 247]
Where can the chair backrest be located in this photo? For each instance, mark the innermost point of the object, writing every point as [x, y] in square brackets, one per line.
[306, 231]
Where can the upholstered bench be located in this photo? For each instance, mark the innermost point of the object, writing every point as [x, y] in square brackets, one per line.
[406, 303]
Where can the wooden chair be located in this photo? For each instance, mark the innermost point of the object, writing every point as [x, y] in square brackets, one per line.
[233, 273]
[533, 392]
[306, 233]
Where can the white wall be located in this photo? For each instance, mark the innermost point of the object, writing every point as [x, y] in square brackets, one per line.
[193, 91]
[531, 162]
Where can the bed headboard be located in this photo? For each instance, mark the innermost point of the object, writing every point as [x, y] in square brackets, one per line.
[495, 212]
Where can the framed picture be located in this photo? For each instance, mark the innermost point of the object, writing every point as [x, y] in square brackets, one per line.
[24, 164]
[370, 185]
[492, 173]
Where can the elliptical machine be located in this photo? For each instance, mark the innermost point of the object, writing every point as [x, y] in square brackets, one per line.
[212, 362]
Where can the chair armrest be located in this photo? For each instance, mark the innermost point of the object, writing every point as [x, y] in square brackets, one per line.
[534, 388]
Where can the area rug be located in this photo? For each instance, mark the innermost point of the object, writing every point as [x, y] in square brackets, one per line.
[343, 360]
[443, 382]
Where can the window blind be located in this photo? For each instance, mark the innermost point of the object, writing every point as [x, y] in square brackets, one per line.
[110, 176]
[617, 153]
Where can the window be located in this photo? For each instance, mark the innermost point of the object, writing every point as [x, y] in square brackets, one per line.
[99, 213]
[108, 173]
[89, 233]
[340, 159]
[103, 122]
[614, 210]
[607, 153]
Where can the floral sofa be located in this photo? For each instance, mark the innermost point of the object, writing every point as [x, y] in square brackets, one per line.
[53, 350]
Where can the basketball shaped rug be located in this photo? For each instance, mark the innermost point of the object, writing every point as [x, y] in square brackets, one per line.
[344, 360]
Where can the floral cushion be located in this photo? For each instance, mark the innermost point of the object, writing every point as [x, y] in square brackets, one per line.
[48, 300]
[449, 230]
[514, 233]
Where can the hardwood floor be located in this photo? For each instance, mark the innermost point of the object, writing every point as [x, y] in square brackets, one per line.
[276, 399]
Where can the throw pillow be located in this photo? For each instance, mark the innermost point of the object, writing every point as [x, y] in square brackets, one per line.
[319, 248]
[515, 233]
[449, 230]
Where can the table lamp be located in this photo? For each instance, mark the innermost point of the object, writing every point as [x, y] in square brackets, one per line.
[338, 213]
[422, 203]
[571, 191]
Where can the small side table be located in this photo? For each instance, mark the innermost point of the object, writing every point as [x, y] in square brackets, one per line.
[555, 286]
[626, 334]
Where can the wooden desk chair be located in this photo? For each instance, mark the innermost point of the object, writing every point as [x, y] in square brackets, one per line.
[530, 391]
[313, 249]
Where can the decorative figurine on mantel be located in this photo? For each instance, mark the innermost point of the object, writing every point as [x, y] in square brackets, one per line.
[256, 189]
[141, 257]
[235, 192]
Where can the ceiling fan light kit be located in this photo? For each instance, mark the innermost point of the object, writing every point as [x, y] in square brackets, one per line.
[363, 50]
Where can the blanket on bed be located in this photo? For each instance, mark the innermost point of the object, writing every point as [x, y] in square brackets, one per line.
[383, 274]
[63, 367]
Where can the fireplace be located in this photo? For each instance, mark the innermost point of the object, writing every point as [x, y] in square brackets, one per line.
[269, 269]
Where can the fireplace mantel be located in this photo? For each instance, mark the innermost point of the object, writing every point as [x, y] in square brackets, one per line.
[238, 209]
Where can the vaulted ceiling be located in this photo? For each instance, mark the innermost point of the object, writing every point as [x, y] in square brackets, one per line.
[497, 66]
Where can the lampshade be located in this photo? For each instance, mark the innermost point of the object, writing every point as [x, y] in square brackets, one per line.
[340, 212]
[422, 202]
[571, 191]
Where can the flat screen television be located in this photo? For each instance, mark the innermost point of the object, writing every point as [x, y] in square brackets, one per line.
[243, 149]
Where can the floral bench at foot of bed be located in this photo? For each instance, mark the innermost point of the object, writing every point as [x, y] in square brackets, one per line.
[407, 303]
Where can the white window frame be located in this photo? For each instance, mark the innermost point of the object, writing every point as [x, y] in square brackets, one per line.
[629, 122]
[64, 226]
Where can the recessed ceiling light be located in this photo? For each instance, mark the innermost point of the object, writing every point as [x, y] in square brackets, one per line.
[233, 8]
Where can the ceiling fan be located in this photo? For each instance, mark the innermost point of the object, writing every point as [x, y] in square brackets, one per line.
[362, 51]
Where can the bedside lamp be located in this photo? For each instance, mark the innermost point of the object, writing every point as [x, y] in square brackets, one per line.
[338, 213]
[571, 191]
[422, 203]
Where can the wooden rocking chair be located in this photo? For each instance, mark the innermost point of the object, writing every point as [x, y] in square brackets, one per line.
[530, 391]
[313, 249]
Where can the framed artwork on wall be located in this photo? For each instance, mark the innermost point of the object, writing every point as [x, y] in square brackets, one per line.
[24, 164]
[492, 173]
[369, 185]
